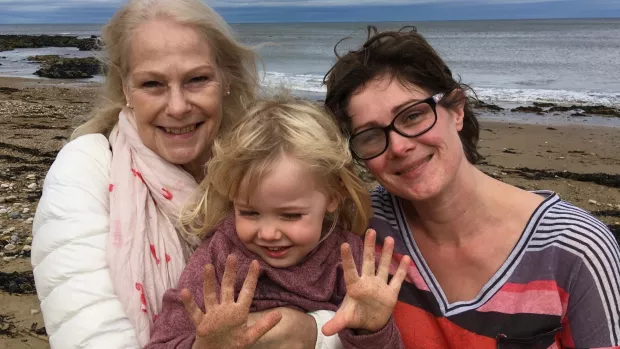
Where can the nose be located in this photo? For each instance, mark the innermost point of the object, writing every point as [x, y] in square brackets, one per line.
[399, 145]
[269, 232]
[178, 105]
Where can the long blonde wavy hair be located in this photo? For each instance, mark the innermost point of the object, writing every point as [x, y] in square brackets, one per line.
[236, 63]
[270, 129]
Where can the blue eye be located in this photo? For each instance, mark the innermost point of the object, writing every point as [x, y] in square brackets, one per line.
[151, 84]
[198, 79]
[291, 216]
[248, 213]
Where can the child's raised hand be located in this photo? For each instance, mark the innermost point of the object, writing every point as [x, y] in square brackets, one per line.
[370, 300]
[223, 325]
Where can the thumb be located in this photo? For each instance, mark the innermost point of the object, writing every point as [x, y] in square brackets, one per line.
[335, 325]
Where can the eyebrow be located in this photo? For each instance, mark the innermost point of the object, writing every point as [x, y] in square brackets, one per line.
[141, 73]
[395, 110]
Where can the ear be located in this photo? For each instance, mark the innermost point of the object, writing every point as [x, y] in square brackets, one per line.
[458, 111]
[126, 92]
[333, 204]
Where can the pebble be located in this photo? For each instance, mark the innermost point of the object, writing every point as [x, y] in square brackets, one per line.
[12, 197]
[26, 210]
[26, 248]
[29, 239]
[3, 211]
[8, 259]
[31, 176]
[9, 247]
[4, 185]
[14, 238]
[14, 215]
[34, 311]
[593, 202]
[10, 230]
[2, 199]
[29, 220]
[32, 185]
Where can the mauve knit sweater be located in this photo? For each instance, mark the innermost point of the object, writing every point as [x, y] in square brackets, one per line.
[315, 283]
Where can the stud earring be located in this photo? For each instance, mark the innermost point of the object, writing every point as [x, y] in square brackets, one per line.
[228, 93]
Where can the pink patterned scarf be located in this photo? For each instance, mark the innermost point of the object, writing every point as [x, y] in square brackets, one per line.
[145, 253]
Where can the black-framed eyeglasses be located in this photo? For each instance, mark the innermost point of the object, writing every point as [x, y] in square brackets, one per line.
[414, 120]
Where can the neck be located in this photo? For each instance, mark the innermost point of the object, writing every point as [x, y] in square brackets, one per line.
[455, 214]
[197, 168]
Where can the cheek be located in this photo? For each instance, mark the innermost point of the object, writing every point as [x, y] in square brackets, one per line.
[377, 166]
[305, 233]
[244, 229]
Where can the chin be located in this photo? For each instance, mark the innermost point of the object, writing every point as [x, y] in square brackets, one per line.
[181, 156]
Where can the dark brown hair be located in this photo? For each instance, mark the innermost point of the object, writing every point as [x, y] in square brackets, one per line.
[406, 56]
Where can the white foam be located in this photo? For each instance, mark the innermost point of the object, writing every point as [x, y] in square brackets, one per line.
[314, 83]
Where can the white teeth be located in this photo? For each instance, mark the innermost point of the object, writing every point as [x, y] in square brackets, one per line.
[180, 131]
[275, 248]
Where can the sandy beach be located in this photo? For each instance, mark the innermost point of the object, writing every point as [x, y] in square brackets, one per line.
[579, 162]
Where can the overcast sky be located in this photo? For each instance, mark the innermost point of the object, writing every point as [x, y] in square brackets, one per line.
[98, 11]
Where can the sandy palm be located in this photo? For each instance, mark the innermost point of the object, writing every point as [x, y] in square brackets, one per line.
[223, 325]
[370, 300]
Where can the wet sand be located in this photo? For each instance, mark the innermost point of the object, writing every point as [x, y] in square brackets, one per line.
[580, 162]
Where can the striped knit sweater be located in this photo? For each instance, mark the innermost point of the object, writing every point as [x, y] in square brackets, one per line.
[559, 287]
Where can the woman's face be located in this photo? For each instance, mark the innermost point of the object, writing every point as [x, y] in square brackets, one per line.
[412, 168]
[175, 91]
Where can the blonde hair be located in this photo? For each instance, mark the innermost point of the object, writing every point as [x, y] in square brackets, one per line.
[270, 129]
[235, 62]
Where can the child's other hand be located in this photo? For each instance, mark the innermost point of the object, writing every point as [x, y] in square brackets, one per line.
[223, 325]
[370, 300]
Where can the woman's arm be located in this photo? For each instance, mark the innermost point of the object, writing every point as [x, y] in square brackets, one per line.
[79, 306]
[303, 326]
[592, 318]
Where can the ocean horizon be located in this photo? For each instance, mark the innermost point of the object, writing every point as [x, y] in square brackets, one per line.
[504, 61]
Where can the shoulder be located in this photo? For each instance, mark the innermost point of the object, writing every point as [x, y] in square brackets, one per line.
[93, 148]
[585, 238]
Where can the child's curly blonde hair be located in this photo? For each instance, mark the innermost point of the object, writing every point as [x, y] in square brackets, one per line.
[271, 128]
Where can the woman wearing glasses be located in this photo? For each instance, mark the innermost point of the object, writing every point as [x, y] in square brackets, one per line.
[493, 266]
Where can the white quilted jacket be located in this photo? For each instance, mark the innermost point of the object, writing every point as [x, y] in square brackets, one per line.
[79, 306]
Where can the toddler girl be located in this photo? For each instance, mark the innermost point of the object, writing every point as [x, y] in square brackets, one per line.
[280, 204]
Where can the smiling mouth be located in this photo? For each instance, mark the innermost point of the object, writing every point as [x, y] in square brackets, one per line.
[181, 130]
[415, 166]
[276, 249]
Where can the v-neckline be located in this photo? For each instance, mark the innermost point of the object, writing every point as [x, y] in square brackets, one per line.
[497, 280]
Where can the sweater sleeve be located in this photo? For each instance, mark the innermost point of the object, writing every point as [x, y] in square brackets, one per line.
[78, 302]
[173, 328]
[388, 337]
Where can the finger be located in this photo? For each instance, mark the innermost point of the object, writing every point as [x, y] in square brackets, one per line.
[191, 307]
[249, 286]
[348, 265]
[368, 265]
[263, 325]
[209, 287]
[386, 259]
[228, 281]
[400, 274]
[335, 325]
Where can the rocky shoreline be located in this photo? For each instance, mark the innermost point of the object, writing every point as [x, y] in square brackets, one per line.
[11, 42]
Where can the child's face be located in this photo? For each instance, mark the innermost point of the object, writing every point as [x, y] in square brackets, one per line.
[283, 220]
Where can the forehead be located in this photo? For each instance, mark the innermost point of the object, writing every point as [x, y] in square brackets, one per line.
[287, 181]
[375, 100]
[161, 41]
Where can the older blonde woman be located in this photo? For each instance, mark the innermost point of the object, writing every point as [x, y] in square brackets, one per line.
[105, 246]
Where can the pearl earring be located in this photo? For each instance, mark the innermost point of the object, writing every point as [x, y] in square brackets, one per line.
[228, 93]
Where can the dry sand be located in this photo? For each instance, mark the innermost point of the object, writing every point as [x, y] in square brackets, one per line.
[580, 163]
